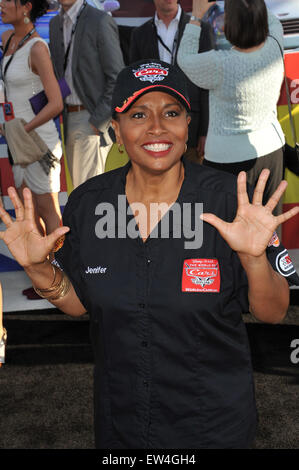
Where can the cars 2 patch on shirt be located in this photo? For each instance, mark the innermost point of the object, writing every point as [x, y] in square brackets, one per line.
[201, 275]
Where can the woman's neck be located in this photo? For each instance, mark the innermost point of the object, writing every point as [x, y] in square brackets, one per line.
[21, 29]
[155, 193]
[145, 187]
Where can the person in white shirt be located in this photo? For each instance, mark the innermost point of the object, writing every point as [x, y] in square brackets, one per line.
[159, 38]
[85, 49]
[167, 28]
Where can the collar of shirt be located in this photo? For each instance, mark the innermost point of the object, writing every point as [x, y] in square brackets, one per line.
[189, 188]
[73, 11]
[176, 19]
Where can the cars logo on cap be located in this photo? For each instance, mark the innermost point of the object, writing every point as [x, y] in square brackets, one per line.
[151, 72]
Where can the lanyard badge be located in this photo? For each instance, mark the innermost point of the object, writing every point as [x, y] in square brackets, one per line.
[8, 113]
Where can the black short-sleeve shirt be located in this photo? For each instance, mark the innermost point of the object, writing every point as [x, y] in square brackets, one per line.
[172, 360]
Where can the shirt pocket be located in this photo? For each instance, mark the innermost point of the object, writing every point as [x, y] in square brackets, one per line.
[208, 288]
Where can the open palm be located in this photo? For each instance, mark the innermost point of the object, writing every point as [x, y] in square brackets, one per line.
[22, 237]
[254, 224]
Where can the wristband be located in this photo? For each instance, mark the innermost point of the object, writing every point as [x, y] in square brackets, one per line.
[195, 18]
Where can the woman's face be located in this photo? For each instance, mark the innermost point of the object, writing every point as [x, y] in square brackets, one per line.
[154, 131]
[12, 11]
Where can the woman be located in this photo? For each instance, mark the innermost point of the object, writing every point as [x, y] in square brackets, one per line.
[244, 83]
[172, 359]
[27, 69]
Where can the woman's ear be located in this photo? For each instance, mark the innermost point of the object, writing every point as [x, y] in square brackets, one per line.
[28, 8]
[115, 125]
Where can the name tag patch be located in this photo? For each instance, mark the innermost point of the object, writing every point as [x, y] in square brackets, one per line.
[201, 275]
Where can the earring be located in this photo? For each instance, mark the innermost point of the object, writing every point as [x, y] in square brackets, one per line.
[185, 148]
[120, 149]
[26, 19]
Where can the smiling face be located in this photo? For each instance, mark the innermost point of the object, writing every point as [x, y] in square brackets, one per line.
[154, 131]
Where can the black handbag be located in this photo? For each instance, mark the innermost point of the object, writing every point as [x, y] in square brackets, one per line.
[290, 154]
[291, 158]
[39, 101]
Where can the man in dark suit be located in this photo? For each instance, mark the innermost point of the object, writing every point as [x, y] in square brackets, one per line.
[85, 48]
[159, 38]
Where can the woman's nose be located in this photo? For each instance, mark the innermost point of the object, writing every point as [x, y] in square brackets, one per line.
[156, 125]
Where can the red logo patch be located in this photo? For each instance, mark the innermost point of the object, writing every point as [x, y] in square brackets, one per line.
[201, 275]
[285, 263]
[151, 72]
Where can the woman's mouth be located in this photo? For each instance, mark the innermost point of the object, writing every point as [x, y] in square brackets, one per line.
[157, 149]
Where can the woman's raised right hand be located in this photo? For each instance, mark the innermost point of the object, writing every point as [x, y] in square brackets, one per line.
[22, 237]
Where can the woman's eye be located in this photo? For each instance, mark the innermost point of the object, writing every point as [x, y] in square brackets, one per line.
[172, 113]
[138, 115]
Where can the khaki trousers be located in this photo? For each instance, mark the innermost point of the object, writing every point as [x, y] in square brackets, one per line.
[85, 156]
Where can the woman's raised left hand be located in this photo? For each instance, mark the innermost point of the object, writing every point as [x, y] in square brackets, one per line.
[254, 224]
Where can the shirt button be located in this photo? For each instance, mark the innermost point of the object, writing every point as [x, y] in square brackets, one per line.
[142, 305]
[145, 383]
[144, 344]
[148, 261]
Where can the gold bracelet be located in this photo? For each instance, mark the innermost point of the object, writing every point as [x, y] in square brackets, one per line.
[56, 292]
[63, 288]
[52, 286]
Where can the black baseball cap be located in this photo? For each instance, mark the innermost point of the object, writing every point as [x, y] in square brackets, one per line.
[145, 76]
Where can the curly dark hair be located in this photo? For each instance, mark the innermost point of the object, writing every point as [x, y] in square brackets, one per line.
[39, 8]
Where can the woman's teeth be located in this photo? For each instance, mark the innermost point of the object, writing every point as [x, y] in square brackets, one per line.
[157, 147]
